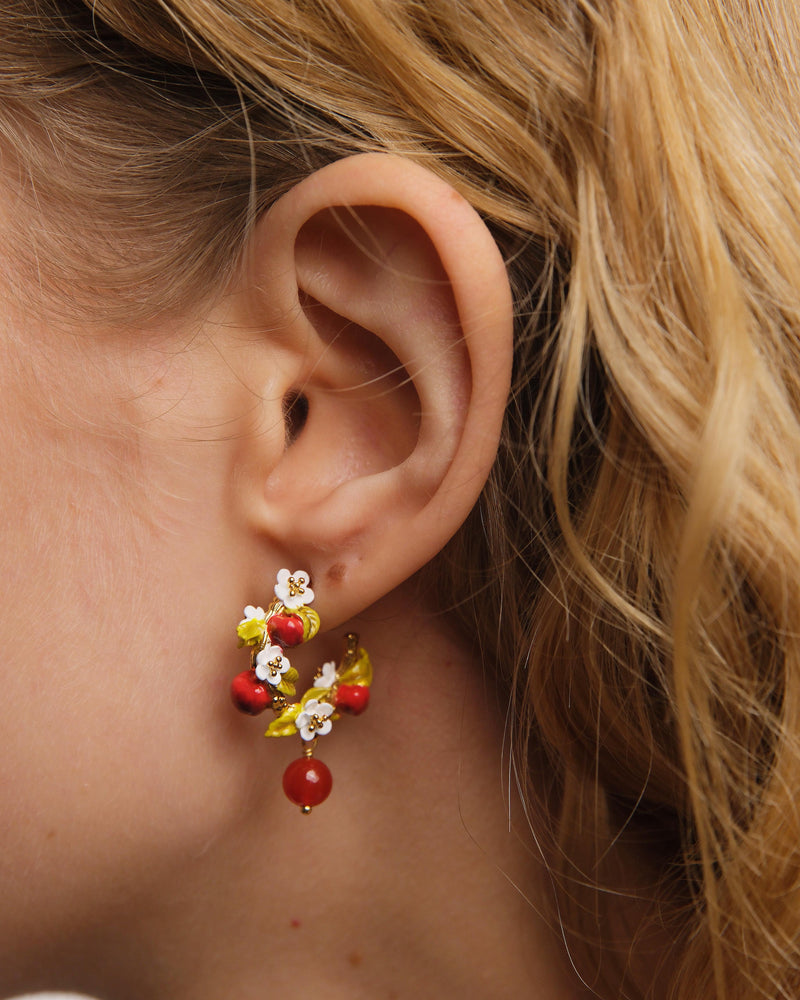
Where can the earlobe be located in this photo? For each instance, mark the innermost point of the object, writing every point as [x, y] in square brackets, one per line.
[392, 310]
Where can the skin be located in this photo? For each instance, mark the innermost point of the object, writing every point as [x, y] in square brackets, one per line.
[148, 495]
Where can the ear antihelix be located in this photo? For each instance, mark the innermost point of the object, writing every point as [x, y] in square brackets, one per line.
[270, 682]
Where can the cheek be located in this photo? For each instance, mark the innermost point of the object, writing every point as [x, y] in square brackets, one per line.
[115, 732]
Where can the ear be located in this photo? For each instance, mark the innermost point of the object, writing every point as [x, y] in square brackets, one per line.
[388, 309]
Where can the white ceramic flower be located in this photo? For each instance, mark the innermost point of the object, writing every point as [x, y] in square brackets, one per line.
[293, 590]
[252, 627]
[314, 719]
[259, 614]
[271, 664]
[327, 675]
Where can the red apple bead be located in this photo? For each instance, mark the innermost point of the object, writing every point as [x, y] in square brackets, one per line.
[307, 782]
[287, 630]
[248, 694]
[352, 698]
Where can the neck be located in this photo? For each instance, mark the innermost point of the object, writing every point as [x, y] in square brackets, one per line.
[412, 879]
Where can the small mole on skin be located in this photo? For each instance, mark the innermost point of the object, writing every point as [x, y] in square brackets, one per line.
[294, 922]
[355, 959]
[51, 834]
[336, 572]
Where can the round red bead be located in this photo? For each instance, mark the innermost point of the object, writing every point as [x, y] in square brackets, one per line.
[248, 694]
[307, 782]
[287, 630]
[352, 698]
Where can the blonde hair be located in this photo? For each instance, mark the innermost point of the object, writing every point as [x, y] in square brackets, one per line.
[639, 536]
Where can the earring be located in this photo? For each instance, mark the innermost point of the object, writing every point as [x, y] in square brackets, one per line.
[270, 682]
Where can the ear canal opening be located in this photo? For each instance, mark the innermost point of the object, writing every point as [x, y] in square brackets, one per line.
[295, 415]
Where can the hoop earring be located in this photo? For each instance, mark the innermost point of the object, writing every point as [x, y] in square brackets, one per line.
[270, 682]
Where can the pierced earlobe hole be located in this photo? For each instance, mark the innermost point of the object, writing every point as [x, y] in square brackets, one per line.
[295, 414]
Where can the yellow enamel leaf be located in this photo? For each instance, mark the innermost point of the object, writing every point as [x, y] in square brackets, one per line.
[360, 672]
[321, 694]
[286, 687]
[250, 631]
[291, 675]
[310, 620]
[284, 724]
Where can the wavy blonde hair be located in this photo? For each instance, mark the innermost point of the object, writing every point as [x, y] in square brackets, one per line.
[637, 161]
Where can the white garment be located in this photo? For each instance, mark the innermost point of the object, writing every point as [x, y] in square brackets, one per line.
[53, 996]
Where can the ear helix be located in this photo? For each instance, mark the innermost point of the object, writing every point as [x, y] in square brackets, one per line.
[270, 682]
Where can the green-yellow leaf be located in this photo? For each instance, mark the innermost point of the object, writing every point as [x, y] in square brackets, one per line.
[321, 694]
[310, 620]
[251, 631]
[284, 724]
[360, 672]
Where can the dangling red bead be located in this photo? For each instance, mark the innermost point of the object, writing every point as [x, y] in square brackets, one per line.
[307, 782]
[248, 694]
[287, 630]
